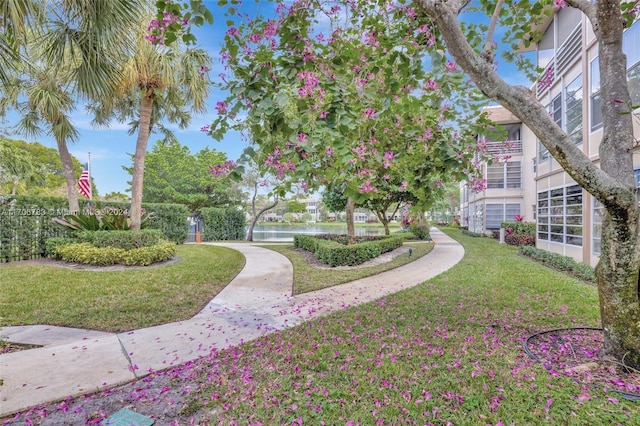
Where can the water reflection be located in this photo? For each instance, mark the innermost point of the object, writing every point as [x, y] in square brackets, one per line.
[286, 233]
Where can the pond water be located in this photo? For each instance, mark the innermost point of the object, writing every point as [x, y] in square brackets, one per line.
[286, 233]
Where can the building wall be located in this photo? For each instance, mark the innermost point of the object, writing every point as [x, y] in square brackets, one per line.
[571, 61]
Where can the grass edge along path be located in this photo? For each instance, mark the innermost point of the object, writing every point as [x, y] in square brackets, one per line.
[307, 277]
[120, 300]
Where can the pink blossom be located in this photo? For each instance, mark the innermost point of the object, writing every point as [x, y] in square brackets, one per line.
[323, 114]
[221, 107]
[329, 152]
[431, 85]
[451, 66]
[366, 187]
[403, 185]
[233, 31]
[205, 128]
[222, 169]
[369, 113]
[560, 4]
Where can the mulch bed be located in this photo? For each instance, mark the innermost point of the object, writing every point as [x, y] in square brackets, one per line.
[576, 353]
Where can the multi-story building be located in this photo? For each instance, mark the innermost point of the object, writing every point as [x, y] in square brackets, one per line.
[568, 218]
[508, 178]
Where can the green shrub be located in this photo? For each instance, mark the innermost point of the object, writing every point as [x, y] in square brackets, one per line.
[171, 219]
[520, 228]
[520, 240]
[53, 243]
[559, 262]
[339, 250]
[223, 224]
[420, 230]
[305, 242]
[126, 239]
[144, 256]
[87, 254]
[472, 234]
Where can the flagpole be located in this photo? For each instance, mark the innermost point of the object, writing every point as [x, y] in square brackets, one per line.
[89, 169]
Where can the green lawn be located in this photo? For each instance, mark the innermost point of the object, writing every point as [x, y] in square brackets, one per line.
[116, 300]
[309, 278]
[448, 351]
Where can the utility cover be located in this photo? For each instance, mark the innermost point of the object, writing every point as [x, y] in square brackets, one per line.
[126, 417]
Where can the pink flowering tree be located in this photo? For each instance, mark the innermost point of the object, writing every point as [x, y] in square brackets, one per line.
[349, 101]
[392, 41]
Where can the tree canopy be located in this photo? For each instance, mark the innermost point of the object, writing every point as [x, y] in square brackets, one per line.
[173, 174]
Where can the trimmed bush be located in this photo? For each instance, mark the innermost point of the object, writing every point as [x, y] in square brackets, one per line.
[223, 224]
[53, 243]
[126, 239]
[520, 240]
[171, 219]
[520, 228]
[88, 254]
[305, 242]
[339, 250]
[420, 230]
[144, 256]
[561, 263]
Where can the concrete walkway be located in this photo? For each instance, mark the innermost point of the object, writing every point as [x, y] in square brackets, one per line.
[258, 301]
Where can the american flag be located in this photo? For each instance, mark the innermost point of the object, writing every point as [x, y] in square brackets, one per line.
[84, 183]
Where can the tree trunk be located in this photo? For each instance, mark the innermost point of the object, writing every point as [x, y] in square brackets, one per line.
[257, 216]
[612, 183]
[137, 182]
[69, 176]
[351, 227]
[383, 219]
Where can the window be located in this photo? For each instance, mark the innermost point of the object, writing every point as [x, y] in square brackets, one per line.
[514, 174]
[596, 102]
[498, 213]
[556, 110]
[596, 232]
[504, 175]
[573, 99]
[631, 44]
[560, 215]
[543, 152]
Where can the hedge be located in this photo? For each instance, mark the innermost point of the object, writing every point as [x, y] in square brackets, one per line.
[560, 262]
[223, 224]
[520, 228]
[25, 223]
[334, 253]
[123, 239]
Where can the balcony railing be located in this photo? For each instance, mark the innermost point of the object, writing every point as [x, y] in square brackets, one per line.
[504, 147]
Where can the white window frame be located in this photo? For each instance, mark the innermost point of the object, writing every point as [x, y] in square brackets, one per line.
[559, 218]
[499, 175]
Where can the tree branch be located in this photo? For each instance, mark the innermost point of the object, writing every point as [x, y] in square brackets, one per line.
[523, 104]
[587, 7]
[488, 45]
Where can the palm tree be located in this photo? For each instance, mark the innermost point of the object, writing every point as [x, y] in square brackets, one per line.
[160, 83]
[67, 51]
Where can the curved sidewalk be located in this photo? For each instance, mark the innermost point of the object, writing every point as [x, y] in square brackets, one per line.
[256, 302]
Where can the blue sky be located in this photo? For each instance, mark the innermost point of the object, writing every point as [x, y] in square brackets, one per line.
[109, 147]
